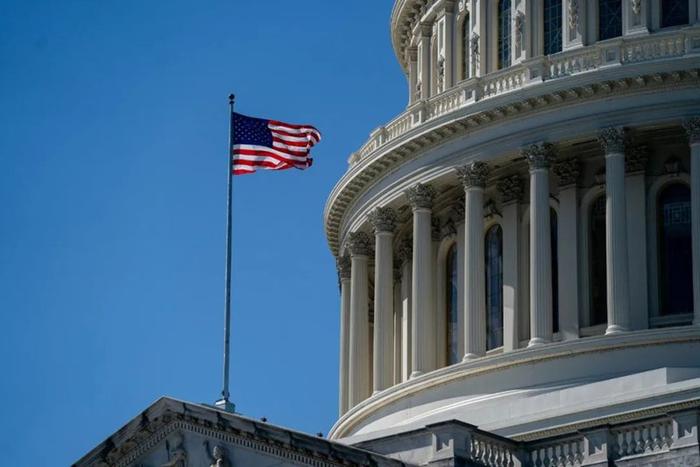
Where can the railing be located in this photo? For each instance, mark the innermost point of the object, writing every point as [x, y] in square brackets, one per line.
[492, 451]
[571, 62]
[643, 439]
[563, 453]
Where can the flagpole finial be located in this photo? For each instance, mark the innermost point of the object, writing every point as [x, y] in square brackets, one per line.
[231, 98]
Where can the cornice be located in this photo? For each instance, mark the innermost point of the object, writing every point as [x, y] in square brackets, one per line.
[526, 356]
[486, 114]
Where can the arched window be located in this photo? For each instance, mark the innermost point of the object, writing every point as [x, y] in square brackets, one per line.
[554, 242]
[675, 260]
[552, 26]
[451, 305]
[503, 33]
[609, 19]
[674, 12]
[597, 263]
[493, 253]
[466, 47]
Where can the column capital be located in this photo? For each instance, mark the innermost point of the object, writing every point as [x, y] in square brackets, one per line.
[421, 196]
[538, 155]
[359, 244]
[473, 174]
[405, 251]
[343, 263]
[612, 139]
[511, 188]
[383, 219]
[568, 171]
[692, 127]
[636, 159]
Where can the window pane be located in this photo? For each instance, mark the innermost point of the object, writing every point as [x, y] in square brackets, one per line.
[597, 265]
[675, 256]
[494, 287]
[503, 33]
[552, 26]
[452, 309]
[609, 19]
[674, 12]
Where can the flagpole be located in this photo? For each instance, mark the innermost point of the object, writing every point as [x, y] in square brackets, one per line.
[224, 402]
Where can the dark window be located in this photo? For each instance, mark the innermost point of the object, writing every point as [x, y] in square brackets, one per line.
[598, 268]
[609, 19]
[494, 287]
[675, 256]
[465, 47]
[552, 26]
[674, 12]
[452, 306]
[503, 33]
[554, 241]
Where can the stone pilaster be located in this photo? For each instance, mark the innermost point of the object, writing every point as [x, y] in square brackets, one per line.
[636, 197]
[421, 197]
[692, 127]
[383, 219]
[473, 177]
[405, 254]
[426, 31]
[344, 271]
[539, 157]
[413, 92]
[359, 244]
[511, 190]
[613, 142]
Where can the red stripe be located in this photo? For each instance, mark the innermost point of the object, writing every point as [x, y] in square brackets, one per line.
[261, 152]
[291, 125]
[298, 144]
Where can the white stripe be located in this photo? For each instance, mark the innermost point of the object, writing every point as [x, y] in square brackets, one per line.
[282, 154]
[306, 130]
[277, 144]
[296, 139]
[245, 157]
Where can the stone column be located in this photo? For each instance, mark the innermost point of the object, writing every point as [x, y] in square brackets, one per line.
[568, 173]
[359, 244]
[538, 157]
[618, 299]
[426, 31]
[412, 55]
[406, 257]
[383, 220]
[421, 197]
[397, 325]
[635, 190]
[511, 189]
[473, 177]
[448, 39]
[343, 265]
[692, 126]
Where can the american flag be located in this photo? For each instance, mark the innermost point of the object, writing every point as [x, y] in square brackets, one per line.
[270, 144]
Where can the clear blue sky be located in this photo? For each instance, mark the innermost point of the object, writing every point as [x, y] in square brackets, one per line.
[113, 131]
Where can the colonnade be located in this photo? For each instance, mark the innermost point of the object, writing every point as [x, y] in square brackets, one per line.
[360, 376]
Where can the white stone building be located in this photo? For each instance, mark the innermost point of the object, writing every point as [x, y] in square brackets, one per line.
[518, 253]
[519, 249]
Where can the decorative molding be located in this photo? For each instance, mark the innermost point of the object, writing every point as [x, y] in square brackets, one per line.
[636, 6]
[568, 171]
[636, 159]
[612, 140]
[539, 155]
[473, 174]
[343, 265]
[519, 29]
[421, 196]
[359, 244]
[692, 127]
[511, 189]
[457, 210]
[573, 14]
[435, 228]
[448, 229]
[383, 219]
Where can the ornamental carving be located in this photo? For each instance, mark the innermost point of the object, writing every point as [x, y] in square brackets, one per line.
[217, 456]
[448, 229]
[421, 196]
[435, 228]
[177, 455]
[568, 171]
[405, 251]
[519, 29]
[474, 174]
[636, 6]
[692, 127]
[343, 264]
[636, 159]
[612, 139]
[511, 188]
[441, 74]
[359, 244]
[573, 14]
[474, 42]
[539, 155]
[457, 210]
[383, 219]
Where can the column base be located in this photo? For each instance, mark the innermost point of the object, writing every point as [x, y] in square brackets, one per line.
[471, 356]
[415, 374]
[537, 341]
[615, 329]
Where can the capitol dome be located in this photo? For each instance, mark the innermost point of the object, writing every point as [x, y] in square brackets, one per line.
[519, 249]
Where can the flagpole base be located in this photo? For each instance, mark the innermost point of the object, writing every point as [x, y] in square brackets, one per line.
[225, 405]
